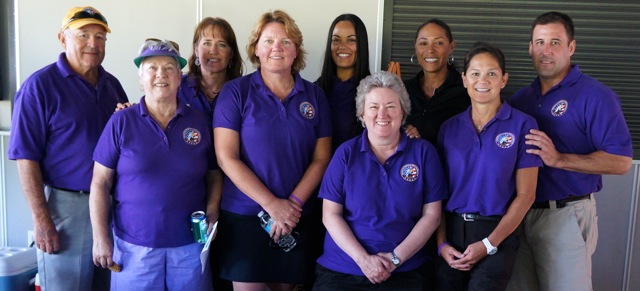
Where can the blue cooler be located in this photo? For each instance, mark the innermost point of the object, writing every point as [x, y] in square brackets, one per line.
[17, 267]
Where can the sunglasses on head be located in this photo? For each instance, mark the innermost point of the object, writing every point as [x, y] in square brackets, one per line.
[85, 14]
[171, 43]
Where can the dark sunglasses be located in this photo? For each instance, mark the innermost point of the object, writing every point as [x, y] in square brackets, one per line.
[87, 13]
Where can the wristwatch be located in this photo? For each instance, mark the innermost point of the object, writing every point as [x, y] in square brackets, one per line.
[394, 259]
[491, 250]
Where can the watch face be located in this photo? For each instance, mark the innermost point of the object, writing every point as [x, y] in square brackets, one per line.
[490, 248]
[394, 259]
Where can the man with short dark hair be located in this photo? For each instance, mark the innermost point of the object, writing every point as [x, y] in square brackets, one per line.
[59, 114]
[583, 135]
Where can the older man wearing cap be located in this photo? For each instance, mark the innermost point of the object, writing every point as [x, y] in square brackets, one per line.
[59, 113]
[157, 157]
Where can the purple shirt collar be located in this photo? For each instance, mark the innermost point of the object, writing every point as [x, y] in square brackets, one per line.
[365, 147]
[144, 111]
[65, 68]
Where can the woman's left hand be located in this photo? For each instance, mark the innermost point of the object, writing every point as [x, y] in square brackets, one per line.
[102, 252]
[474, 253]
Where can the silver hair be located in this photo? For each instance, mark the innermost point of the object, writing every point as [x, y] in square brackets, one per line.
[387, 80]
[157, 44]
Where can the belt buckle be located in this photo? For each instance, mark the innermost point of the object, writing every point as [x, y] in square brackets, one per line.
[467, 217]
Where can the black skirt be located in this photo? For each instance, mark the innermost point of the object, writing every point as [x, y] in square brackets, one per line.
[247, 253]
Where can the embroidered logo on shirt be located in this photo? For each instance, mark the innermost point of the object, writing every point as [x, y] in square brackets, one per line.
[505, 140]
[409, 172]
[306, 109]
[191, 136]
[559, 108]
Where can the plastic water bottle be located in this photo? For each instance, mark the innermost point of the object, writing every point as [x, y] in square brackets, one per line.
[286, 242]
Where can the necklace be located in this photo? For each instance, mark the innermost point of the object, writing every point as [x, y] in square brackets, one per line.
[212, 96]
[207, 89]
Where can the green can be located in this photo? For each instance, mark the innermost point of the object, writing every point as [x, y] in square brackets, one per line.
[199, 226]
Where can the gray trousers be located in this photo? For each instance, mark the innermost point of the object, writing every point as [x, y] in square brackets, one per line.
[556, 248]
[72, 267]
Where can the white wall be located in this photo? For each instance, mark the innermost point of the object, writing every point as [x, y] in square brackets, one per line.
[38, 22]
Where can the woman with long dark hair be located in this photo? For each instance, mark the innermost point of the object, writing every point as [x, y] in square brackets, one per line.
[346, 62]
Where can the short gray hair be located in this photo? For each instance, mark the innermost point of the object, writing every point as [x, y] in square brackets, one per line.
[387, 80]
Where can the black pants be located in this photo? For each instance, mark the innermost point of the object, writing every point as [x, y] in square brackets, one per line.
[492, 272]
[328, 280]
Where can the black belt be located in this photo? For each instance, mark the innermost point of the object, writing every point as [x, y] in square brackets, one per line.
[69, 190]
[474, 217]
[559, 203]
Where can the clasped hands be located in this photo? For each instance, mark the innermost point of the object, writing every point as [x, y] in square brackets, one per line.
[377, 267]
[474, 253]
[285, 214]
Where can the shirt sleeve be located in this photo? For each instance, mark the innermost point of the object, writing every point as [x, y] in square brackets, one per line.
[28, 138]
[332, 186]
[107, 151]
[527, 160]
[607, 127]
[436, 186]
[324, 126]
[228, 111]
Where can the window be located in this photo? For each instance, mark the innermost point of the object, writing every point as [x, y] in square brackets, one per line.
[7, 52]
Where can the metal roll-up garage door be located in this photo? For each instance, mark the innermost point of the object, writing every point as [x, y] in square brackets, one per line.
[608, 41]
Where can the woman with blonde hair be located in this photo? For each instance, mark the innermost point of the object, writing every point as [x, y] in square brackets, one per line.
[273, 140]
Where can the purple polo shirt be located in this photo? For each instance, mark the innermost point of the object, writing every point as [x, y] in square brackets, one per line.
[481, 167]
[581, 116]
[57, 119]
[160, 174]
[189, 94]
[277, 139]
[382, 202]
[342, 103]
